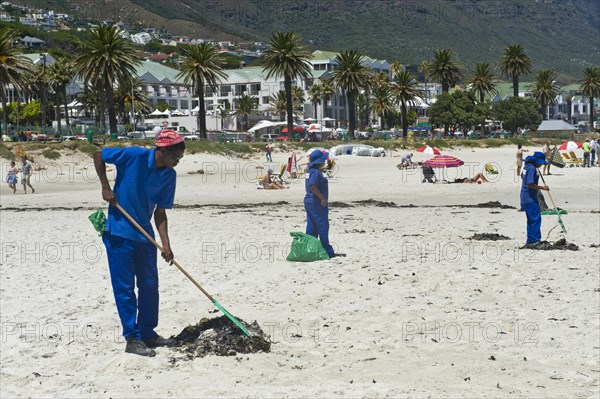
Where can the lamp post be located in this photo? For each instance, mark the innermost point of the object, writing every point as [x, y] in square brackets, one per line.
[43, 57]
[132, 107]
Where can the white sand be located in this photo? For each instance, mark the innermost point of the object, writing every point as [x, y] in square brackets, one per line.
[415, 309]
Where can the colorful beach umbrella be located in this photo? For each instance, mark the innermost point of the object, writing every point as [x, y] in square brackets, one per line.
[429, 150]
[570, 145]
[443, 161]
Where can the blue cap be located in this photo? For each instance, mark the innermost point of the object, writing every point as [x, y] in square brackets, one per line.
[538, 158]
[317, 157]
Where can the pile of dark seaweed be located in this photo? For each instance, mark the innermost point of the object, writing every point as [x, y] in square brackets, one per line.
[220, 337]
[488, 237]
[561, 244]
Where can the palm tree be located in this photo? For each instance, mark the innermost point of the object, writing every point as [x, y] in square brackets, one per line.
[569, 100]
[327, 91]
[298, 99]
[590, 87]
[288, 59]
[278, 103]
[363, 104]
[405, 90]
[108, 60]
[202, 67]
[130, 99]
[90, 100]
[515, 63]
[60, 74]
[442, 68]
[545, 89]
[246, 105]
[382, 102]
[314, 95]
[351, 76]
[482, 81]
[12, 65]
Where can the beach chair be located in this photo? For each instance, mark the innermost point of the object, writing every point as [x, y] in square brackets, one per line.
[569, 161]
[331, 169]
[574, 159]
[428, 174]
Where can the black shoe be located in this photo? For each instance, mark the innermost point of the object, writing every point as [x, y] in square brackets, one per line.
[138, 347]
[337, 256]
[159, 341]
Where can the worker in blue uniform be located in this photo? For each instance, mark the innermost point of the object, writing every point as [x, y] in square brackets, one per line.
[144, 187]
[529, 197]
[315, 201]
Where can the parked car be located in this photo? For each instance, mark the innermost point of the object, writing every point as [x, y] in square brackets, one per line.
[268, 137]
[191, 137]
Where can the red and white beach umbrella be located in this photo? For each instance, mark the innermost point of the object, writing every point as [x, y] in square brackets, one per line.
[570, 145]
[429, 150]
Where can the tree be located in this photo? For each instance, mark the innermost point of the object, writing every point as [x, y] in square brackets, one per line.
[130, 99]
[545, 89]
[314, 96]
[515, 63]
[351, 76]
[363, 103]
[382, 102]
[443, 69]
[482, 81]
[107, 60]
[288, 59]
[298, 100]
[456, 110]
[327, 91]
[162, 106]
[517, 112]
[60, 74]
[569, 100]
[12, 65]
[90, 102]
[405, 90]
[246, 105]
[278, 103]
[590, 87]
[202, 67]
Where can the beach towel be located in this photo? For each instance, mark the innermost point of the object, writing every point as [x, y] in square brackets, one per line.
[306, 248]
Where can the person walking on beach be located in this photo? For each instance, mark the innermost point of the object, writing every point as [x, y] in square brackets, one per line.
[546, 151]
[144, 187]
[586, 154]
[315, 201]
[11, 176]
[594, 147]
[529, 197]
[519, 158]
[26, 178]
[269, 150]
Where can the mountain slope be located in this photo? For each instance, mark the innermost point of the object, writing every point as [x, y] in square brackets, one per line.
[563, 35]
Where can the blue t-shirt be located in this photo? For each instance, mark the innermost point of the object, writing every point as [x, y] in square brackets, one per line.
[529, 176]
[140, 188]
[315, 177]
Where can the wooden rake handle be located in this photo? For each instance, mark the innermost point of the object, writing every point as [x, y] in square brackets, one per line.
[160, 248]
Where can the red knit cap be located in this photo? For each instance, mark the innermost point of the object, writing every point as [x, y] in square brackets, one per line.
[167, 138]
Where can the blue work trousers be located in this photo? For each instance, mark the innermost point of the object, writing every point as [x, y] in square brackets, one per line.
[130, 263]
[534, 222]
[317, 223]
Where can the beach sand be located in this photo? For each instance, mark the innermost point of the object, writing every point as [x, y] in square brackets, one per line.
[416, 309]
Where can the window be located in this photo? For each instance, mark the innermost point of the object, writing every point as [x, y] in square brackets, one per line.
[240, 90]
[208, 91]
[254, 89]
[265, 99]
[225, 90]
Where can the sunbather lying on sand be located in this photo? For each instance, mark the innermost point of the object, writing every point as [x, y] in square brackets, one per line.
[478, 178]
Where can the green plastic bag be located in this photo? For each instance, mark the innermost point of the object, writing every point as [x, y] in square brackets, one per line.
[306, 248]
[98, 220]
